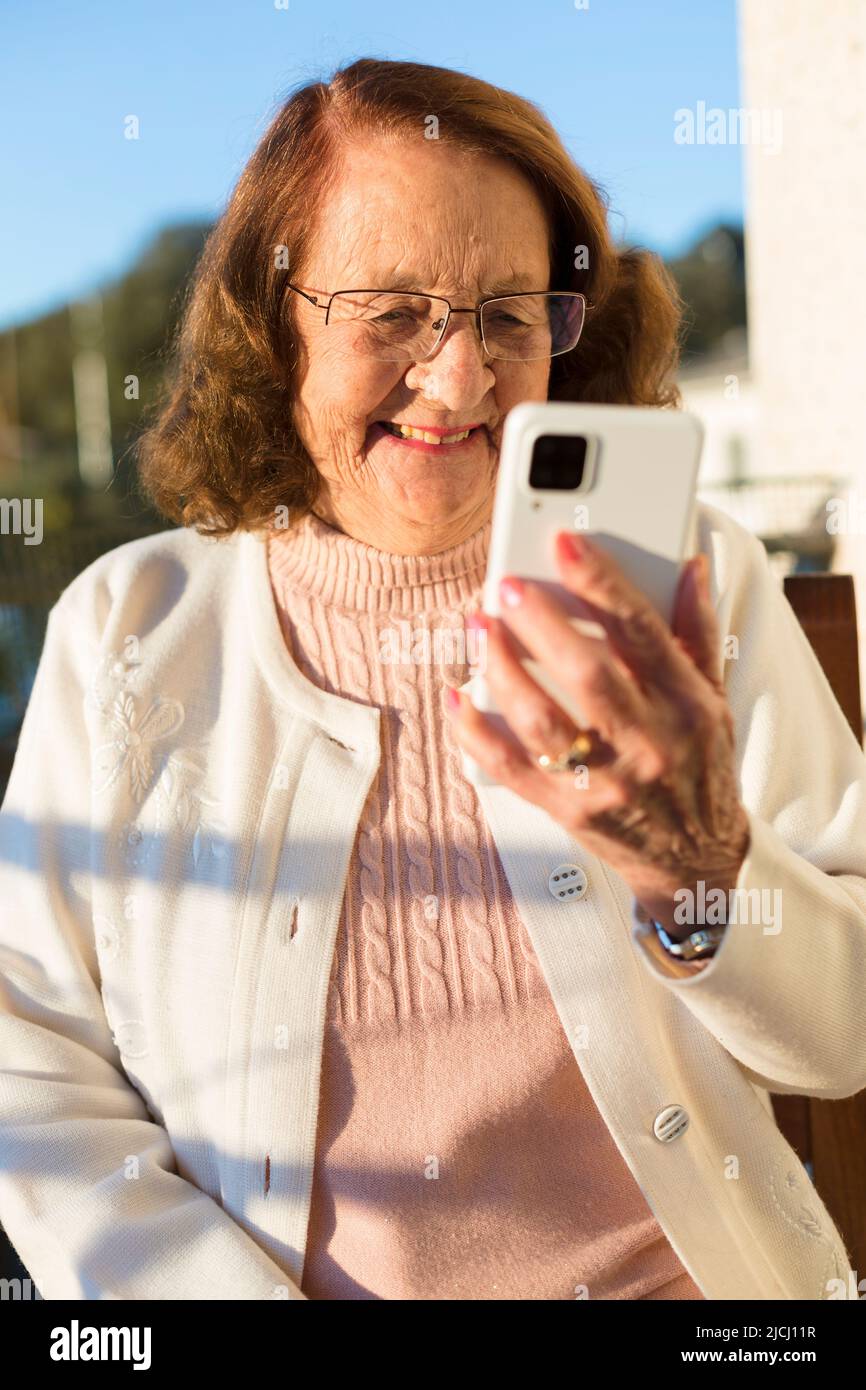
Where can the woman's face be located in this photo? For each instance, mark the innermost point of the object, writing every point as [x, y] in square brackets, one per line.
[415, 215]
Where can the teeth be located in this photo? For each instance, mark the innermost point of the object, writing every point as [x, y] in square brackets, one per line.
[409, 432]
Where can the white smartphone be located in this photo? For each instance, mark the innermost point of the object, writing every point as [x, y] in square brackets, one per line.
[626, 475]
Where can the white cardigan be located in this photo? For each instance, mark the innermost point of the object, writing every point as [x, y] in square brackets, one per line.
[174, 846]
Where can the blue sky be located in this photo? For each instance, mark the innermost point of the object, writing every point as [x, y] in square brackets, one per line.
[204, 77]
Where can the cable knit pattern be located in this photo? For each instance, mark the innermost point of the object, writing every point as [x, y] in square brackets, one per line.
[459, 1153]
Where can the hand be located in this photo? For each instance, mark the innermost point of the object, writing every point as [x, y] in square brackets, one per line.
[658, 801]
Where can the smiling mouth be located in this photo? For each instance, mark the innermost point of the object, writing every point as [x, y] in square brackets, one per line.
[427, 436]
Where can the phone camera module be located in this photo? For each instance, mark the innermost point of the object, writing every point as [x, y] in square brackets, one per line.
[558, 462]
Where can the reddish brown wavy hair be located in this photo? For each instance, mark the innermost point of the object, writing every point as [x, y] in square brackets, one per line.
[221, 452]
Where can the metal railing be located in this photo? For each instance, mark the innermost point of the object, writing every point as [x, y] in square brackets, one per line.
[789, 514]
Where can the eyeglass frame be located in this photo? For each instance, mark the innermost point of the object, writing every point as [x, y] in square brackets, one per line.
[491, 299]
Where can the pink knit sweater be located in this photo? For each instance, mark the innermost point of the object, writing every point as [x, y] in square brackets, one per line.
[459, 1153]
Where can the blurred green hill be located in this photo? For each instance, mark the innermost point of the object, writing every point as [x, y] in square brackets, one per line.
[139, 313]
[712, 280]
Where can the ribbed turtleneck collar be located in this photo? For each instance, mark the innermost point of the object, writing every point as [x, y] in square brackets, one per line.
[323, 562]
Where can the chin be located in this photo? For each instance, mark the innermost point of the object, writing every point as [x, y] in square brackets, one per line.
[444, 509]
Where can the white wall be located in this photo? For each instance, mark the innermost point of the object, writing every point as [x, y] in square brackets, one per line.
[806, 247]
[806, 232]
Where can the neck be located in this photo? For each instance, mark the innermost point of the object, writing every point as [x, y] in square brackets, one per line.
[331, 567]
[397, 536]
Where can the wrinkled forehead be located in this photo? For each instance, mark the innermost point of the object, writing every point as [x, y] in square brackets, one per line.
[402, 217]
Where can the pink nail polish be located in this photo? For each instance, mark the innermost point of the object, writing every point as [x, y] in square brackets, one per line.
[575, 545]
[452, 697]
[511, 591]
[476, 620]
[704, 575]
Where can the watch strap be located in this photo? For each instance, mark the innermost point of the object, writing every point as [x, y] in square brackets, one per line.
[699, 945]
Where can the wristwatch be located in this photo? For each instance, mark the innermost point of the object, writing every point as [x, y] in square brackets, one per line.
[700, 945]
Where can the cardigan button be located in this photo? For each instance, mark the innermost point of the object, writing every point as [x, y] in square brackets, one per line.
[131, 1039]
[567, 881]
[107, 936]
[670, 1123]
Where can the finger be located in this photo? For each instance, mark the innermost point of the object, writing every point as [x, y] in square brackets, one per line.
[571, 801]
[637, 631]
[533, 716]
[695, 623]
[606, 693]
[493, 747]
[622, 733]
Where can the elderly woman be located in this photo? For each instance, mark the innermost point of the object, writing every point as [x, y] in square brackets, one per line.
[290, 1009]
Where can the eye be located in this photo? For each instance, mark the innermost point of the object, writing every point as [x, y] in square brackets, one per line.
[392, 316]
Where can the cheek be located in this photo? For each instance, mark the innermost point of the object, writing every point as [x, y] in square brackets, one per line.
[341, 394]
[522, 381]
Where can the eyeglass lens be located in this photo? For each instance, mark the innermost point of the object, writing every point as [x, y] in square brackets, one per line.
[394, 326]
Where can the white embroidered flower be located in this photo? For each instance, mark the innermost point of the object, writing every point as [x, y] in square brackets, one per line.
[179, 802]
[795, 1197]
[191, 808]
[115, 675]
[210, 836]
[134, 736]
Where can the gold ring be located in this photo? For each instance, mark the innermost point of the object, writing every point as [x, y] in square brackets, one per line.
[573, 758]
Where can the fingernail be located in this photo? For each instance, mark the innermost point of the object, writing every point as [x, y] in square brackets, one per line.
[476, 620]
[452, 697]
[704, 574]
[575, 545]
[511, 591]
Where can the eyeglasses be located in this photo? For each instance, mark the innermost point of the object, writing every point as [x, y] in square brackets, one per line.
[398, 326]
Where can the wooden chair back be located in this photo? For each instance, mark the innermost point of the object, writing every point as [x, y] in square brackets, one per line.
[829, 1136]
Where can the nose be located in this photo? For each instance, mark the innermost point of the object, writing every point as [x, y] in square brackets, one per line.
[459, 373]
